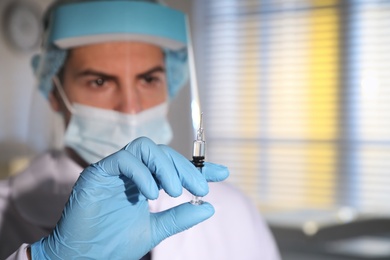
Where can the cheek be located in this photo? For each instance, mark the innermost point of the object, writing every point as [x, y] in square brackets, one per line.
[152, 103]
[154, 99]
[75, 93]
[82, 94]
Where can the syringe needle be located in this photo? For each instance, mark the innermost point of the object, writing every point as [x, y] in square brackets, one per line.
[198, 155]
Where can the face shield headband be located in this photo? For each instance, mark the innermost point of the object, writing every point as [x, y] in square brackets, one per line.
[78, 24]
[85, 23]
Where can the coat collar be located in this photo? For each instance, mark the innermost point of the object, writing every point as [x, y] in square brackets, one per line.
[40, 192]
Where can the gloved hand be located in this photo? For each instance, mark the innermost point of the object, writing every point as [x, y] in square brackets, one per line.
[107, 215]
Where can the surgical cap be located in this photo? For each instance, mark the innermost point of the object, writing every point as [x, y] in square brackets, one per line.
[72, 23]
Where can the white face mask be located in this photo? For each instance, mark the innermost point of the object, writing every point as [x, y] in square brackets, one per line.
[95, 133]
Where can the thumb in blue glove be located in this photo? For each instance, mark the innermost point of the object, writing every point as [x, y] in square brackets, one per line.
[107, 215]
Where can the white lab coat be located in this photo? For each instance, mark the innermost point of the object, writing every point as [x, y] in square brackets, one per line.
[31, 204]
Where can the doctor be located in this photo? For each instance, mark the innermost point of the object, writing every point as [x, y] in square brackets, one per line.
[110, 68]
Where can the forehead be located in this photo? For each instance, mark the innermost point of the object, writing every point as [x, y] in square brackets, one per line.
[116, 55]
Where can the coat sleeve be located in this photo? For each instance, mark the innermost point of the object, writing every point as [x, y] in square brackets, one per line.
[20, 254]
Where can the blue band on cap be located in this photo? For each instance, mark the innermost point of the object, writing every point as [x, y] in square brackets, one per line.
[78, 24]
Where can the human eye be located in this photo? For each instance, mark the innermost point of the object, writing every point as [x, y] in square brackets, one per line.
[98, 82]
[151, 79]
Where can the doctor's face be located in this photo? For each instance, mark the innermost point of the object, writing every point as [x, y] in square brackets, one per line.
[128, 77]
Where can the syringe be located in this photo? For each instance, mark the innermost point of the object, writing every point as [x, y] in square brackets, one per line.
[198, 155]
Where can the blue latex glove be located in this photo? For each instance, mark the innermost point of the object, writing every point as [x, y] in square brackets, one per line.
[107, 215]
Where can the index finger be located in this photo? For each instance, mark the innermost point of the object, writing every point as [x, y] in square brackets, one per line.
[158, 163]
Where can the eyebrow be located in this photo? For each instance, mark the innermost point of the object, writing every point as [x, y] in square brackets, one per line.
[151, 71]
[91, 72]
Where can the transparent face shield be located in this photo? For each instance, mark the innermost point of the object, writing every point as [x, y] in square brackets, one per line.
[46, 126]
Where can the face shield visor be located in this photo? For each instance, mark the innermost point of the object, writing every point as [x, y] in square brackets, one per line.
[83, 23]
[76, 24]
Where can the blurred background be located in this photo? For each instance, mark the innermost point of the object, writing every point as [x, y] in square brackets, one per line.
[296, 102]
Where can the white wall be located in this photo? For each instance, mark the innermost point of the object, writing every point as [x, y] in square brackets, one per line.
[16, 88]
[25, 118]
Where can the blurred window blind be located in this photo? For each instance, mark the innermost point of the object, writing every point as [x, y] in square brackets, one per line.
[296, 99]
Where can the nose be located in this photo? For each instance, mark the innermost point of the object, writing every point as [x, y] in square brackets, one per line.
[129, 100]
